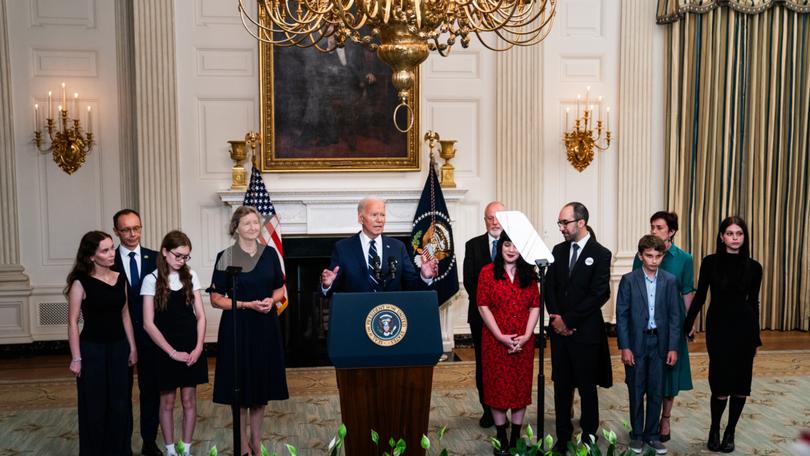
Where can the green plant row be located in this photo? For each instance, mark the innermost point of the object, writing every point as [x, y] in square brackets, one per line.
[525, 447]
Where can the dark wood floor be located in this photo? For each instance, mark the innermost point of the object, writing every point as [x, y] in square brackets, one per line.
[56, 366]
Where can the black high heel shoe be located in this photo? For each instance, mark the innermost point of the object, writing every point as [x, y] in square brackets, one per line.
[714, 440]
[728, 442]
[666, 437]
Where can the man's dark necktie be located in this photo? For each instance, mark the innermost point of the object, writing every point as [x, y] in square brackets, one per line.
[494, 250]
[573, 259]
[373, 258]
[134, 277]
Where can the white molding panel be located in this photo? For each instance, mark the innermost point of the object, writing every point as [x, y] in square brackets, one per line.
[220, 62]
[65, 63]
[71, 13]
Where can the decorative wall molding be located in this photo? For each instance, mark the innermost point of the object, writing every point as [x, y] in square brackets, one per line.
[62, 13]
[222, 62]
[219, 117]
[464, 64]
[65, 63]
[127, 124]
[216, 12]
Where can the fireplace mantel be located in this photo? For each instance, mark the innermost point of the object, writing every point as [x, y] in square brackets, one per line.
[334, 212]
[320, 212]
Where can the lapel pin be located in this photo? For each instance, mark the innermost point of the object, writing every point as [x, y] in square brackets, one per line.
[588, 261]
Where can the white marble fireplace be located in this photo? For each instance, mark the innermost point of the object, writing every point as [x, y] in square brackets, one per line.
[334, 213]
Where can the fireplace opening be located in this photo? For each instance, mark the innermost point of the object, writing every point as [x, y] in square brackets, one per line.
[305, 322]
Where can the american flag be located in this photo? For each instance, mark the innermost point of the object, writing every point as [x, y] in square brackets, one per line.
[270, 235]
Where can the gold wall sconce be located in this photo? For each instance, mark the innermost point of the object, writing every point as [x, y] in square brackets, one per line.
[69, 144]
[447, 150]
[581, 141]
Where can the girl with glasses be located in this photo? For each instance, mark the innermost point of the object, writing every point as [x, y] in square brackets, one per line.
[173, 317]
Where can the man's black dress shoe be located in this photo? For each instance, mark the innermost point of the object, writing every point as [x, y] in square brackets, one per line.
[151, 449]
[486, 420]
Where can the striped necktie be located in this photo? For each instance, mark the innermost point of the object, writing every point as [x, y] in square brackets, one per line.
[373, 258]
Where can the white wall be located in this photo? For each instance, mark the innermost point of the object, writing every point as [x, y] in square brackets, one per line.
[217, 74]
[217, 106]
[52, 41]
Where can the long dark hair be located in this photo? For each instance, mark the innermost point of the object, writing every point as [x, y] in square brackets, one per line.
[83, 266]
[745, 251]
[525, 271]
[172, 240]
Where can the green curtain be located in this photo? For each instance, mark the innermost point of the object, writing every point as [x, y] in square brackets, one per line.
[737, 137]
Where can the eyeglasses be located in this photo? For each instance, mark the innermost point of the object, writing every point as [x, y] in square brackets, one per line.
[132, 230]
[180, 257]
[562, 223]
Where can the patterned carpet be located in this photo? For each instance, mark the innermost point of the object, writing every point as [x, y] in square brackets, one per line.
[39, 418]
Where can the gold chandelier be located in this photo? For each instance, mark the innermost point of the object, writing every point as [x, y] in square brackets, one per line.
[402, 32]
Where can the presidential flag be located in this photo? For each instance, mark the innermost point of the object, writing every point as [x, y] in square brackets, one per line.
[270, 235]
[433, 233]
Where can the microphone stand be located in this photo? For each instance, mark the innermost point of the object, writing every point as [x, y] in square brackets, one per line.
[541, 375]
[233, 273]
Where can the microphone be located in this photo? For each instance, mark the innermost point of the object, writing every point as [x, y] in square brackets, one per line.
[392, 268]
[377, 267]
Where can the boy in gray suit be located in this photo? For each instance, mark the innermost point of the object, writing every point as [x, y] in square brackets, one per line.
[647, 322]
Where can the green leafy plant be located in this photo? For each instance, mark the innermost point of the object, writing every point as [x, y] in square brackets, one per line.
[545, 446]
[425, 442]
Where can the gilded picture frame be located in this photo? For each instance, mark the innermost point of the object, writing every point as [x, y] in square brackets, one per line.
[308, 125]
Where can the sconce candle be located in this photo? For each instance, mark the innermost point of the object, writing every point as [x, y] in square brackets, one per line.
[89, 120]
[64, 100]
[76, 104]
[50, 105]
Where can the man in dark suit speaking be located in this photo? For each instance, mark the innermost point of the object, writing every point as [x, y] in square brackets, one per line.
[136, 262]
[479, 252]
[369, 261]
[577, 286]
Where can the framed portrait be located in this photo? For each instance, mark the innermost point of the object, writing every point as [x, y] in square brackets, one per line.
[323, 112]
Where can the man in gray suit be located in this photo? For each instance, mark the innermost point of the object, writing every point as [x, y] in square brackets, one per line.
[648, 315]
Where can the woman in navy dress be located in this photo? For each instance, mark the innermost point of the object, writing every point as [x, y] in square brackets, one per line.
[105, 349]
[509, 303]
[732, 325]
[174, 318]
[258, 341]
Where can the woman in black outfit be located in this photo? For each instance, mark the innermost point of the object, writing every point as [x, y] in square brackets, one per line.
[732, 325]
[260, 290]
[105, 349]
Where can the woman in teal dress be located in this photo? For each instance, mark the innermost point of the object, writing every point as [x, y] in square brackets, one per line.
[678, 263]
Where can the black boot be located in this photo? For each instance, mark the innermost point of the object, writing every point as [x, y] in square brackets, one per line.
[714, 440]
[728, 442]
[514, 436]
[501, 436]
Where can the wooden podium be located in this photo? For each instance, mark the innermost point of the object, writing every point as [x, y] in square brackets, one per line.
[384, 347]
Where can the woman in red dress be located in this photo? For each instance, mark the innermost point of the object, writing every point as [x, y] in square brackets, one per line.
[509, 303]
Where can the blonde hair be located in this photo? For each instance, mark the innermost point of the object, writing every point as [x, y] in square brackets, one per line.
[240, 212]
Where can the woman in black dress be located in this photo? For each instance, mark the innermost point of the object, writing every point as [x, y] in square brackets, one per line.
[174, 318]
[259, 294]
[732, 325]
[105, 349]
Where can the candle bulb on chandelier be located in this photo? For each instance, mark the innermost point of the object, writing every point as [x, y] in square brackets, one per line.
[89, 120]
[587, 94]
[50, 105]
[36, 117]
[64, 99]
[590, 113]
[76, 104]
